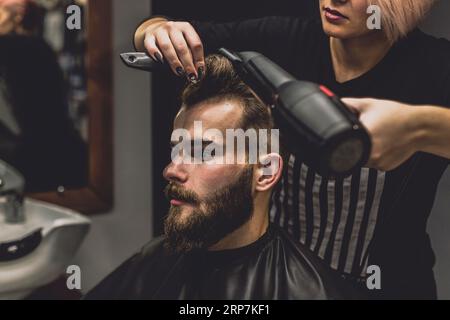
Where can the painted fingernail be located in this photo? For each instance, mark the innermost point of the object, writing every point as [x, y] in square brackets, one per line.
[192, 78]
[159, 57]
[201, 72]
[180, 71]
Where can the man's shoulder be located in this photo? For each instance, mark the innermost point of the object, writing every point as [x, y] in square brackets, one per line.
[154, 246]
[124, 282]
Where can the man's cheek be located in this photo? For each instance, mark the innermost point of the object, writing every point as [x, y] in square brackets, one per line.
[212, 177]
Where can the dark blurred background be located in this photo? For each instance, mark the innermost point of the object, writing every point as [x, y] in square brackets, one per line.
[43, 113]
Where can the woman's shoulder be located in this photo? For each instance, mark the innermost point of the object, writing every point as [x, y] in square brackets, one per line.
[435, 59]
[434, 51]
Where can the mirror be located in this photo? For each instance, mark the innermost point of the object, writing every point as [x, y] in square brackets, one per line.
[55, 99]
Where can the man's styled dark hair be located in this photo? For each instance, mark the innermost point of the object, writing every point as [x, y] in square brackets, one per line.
[221, 82]
[33, 18]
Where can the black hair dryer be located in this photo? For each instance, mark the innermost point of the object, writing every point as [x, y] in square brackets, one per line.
[314, 123]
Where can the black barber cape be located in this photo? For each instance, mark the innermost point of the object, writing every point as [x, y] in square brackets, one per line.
[273, 267]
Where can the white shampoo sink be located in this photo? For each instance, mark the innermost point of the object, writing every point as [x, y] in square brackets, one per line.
[37, 251]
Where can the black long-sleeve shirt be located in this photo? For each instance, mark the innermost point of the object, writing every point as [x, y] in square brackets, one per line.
[337, 219]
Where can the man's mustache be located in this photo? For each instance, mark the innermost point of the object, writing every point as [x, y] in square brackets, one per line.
[173, 191]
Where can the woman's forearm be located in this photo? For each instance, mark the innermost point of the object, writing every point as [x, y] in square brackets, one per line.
[434, 125]
[400, 130]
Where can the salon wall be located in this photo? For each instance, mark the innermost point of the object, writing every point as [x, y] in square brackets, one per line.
[438, 227]
[438, 24]
[115, 236]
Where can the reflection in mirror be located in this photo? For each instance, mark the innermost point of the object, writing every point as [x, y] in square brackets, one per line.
[43, 117]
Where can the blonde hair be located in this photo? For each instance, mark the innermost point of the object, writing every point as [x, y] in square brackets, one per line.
[399, 17]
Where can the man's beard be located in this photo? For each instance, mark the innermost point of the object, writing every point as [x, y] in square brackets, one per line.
[224, 211]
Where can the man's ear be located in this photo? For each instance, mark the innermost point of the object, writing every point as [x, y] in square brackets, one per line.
[268, 172]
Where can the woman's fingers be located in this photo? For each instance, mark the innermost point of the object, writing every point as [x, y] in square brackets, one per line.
[178, 44]
[196, 47]
[184, 54]
[358, 105]
[169, 53]
[152, 48]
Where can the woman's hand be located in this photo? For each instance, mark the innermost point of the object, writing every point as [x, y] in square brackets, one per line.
[175, 42]
[395, 130]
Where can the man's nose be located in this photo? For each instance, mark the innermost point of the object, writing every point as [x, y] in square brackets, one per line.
[175, 172]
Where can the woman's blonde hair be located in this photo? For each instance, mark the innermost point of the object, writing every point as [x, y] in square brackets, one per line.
[399, 17]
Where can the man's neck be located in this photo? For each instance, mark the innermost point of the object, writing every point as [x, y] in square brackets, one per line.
[353, 57]
[246, 234]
